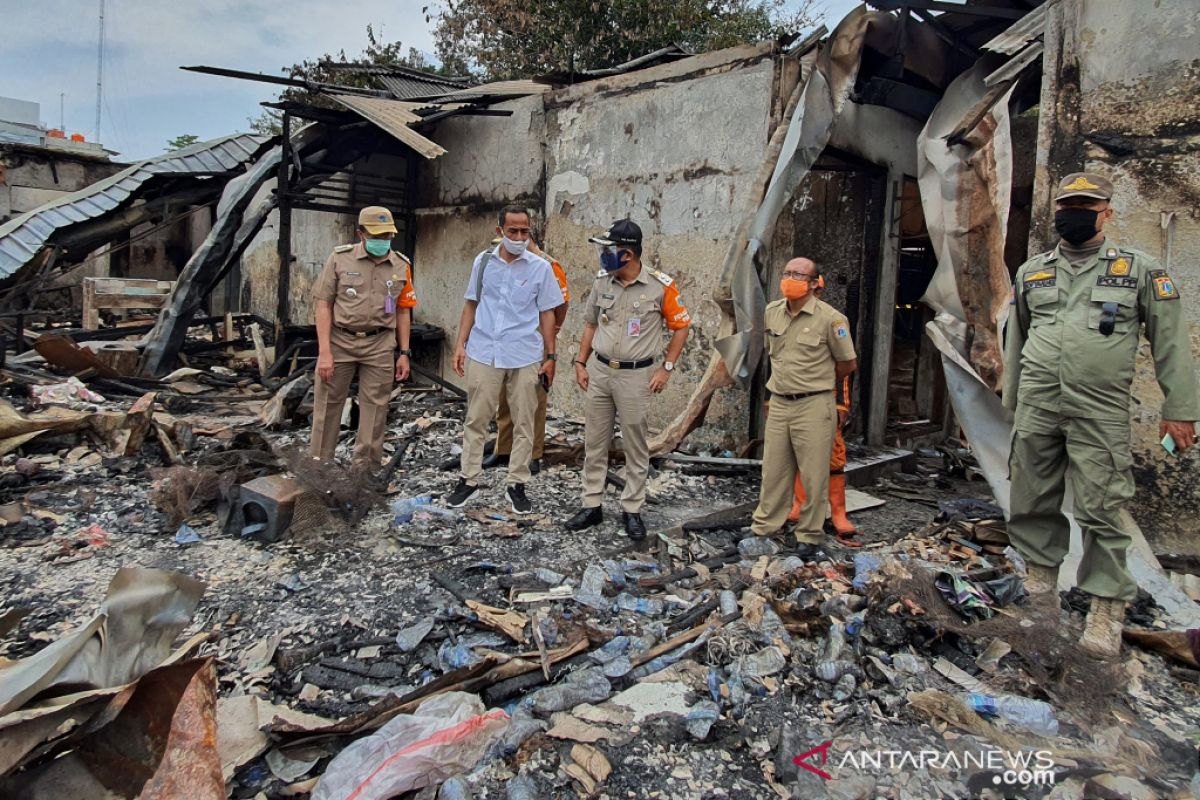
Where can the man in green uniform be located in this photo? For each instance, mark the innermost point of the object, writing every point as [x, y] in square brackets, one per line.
[1071, 342]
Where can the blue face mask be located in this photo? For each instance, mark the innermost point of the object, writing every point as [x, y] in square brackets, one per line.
[610, 259]
[378, 247]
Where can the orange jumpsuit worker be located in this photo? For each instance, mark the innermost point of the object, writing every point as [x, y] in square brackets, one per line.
[842, 525]
[364, 297]
[504, 422]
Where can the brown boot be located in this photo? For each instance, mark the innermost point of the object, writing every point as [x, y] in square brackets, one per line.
[837, 505]
[1041, 580]
[1102, 630]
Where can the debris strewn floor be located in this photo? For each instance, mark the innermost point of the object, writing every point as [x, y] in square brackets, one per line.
[701, 665]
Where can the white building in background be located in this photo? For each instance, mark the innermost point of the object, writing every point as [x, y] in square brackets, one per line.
[20, 123]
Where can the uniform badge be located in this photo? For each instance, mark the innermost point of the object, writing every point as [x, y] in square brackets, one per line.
[841, 332]
[634, 327]
[1041, 279]
[351, 292]
[1164, 287]
[1119, 267]
[1080, 184]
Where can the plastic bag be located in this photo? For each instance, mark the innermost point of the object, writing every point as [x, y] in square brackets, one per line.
[446, 736]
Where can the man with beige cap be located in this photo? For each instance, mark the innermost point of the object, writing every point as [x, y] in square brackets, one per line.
[1071, 343]
[364, 299]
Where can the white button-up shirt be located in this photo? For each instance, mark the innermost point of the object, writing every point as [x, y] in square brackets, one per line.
[507, 332]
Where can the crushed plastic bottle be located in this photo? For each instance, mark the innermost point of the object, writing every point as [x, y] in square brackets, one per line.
[755, 546]
[767, 661]
[583, 686]
[700, 719]
[844, 689]
[1020, 712]
[616, 573]
[909, 664]
[456, 788]
[729, 602]
[404, 508]
[456, 656]
[549, 576]
[521, 725]
[865, 565]
[832, 665]
[591, 588]
[523, 787]
[649, 607]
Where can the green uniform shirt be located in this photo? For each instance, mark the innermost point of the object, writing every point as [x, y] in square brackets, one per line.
[1057, 356]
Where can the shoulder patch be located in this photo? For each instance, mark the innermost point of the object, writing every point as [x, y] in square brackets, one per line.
[343, 248]
[662, 277]
[1164, 287]
[403, 257]
[1042, 279]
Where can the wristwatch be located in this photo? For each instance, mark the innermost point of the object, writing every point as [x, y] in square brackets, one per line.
[550, 357]
[669, 366]
[406, 353]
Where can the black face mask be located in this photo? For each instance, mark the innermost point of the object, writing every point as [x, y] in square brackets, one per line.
[1075, 225]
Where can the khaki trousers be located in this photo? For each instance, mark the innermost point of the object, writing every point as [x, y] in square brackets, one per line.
[375, 383]
[798, 438]
[485, 385]
[504, 425]
[1094, 455]
[612, 394]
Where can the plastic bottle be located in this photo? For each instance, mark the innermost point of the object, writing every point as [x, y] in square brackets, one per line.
[585, 686]
[639, 605]
[404, 508]
[729, 602]
[765, 662]
[591, 588]
[549, 576]
[1020, 712]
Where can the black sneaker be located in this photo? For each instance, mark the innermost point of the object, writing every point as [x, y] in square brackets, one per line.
[461, 494]
[585, 518]
[516, 496]
[535, 466]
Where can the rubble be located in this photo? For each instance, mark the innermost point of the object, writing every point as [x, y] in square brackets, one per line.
[686, 668]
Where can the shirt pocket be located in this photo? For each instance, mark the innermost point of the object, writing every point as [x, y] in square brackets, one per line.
[809, 339]
[1122, 308]
[353, 290]
[606, 314]
[1043, 305]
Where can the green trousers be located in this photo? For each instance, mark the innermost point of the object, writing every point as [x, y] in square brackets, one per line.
[1047, 450]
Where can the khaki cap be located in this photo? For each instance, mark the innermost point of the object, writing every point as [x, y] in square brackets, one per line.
[376, 220]
[1084, 184]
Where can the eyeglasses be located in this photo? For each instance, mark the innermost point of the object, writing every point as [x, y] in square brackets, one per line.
[799, 276]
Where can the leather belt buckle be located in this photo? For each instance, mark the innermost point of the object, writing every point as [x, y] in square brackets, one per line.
[360, 334]
[614, 363]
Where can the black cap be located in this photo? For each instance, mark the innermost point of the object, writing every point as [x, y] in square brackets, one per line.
[623, 231]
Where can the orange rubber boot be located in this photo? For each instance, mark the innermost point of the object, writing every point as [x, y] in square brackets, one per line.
[798, 500]
[837, 505]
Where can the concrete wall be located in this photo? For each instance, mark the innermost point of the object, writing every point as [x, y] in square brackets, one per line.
[1125, 101]
[314, 235]
[29, 178]
[675, 147]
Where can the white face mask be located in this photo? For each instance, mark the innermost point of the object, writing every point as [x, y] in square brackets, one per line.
[513, 246]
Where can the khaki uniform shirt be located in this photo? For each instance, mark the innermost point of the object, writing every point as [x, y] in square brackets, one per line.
[358, 289]
[804, 347]
[629, 320]
[1057, 359]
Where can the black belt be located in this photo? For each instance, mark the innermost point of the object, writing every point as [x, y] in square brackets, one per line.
[362, 334]
[802, 395]
[614, 364]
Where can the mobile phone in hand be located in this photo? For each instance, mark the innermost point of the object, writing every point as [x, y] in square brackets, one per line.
[1168, 443]
[545, 381]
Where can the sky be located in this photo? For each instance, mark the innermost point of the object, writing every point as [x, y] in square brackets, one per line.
[51, 49]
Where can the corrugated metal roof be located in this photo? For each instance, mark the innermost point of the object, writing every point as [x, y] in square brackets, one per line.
[394, 116]
[1025, 30]
[21, 238]
[403, 87]
[499, 89]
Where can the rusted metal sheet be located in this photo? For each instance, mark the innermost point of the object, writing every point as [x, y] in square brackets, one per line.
[394, 116]
[1028, 28]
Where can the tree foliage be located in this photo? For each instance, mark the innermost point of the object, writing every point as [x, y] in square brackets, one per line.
[510, 38]
[182, 141]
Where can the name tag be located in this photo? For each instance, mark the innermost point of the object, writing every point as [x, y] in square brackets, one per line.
[634, 327]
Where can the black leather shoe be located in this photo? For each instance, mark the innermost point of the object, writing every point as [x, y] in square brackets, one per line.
[535, 466]
[634, 527]
[496, 460]
[585, 518]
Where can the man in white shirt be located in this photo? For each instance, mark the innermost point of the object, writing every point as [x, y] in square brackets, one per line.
[506, 343]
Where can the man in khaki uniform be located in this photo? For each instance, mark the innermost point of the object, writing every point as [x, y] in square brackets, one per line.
[364, 300]
[1071, 344]
[504, 423]
[625, 315]
[808, 342]
[506, 344]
